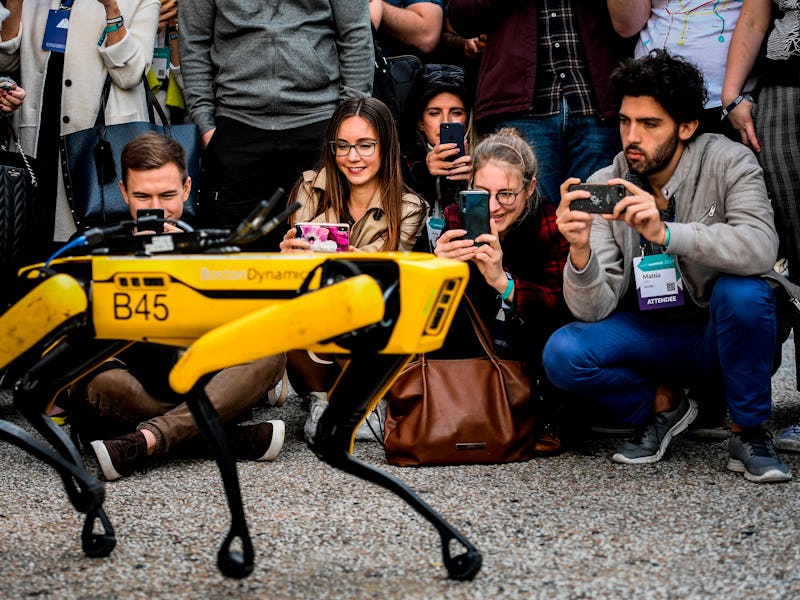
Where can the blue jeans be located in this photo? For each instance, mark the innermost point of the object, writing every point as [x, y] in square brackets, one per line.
[567, 146]
[618, 362]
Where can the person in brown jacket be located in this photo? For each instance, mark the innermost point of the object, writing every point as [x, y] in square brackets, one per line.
[359, 184]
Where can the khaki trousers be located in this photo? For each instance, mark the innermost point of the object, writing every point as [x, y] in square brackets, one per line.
[118, 396]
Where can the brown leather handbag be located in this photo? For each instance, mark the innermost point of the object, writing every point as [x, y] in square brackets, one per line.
[461, 411]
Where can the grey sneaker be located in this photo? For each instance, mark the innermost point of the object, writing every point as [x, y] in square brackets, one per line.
[318, 402]
[371, 429]
[789, 439]
[752, 453]
[650, 443]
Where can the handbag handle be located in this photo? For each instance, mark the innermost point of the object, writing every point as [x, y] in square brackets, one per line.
[480, 329]
[380, 60]
[150, 99]
[12, 136]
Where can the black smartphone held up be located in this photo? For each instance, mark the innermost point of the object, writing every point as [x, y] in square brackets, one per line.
[452, 133]
[603, 199]
[474, 205]
[154, 219]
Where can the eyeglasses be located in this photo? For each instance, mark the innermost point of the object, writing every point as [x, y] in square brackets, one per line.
[505, 197]
[365, 148]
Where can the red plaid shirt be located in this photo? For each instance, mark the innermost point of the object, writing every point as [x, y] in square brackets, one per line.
[534, 254]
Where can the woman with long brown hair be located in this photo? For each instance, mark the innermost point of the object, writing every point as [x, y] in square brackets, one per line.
[359, 183]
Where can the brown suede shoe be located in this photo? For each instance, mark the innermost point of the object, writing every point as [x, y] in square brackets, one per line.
[262, 441]
[549, 444]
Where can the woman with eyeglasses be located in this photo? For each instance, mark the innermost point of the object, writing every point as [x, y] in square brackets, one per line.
[515, 270]
[359, 183]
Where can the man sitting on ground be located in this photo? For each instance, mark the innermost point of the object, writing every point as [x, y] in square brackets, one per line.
[667, 287]
[132, 390]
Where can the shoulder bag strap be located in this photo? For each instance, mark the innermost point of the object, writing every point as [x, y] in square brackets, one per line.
[150, 100]
[480, 329]
[380, 60]
[100, 121]
[154, 105]
[12, 136]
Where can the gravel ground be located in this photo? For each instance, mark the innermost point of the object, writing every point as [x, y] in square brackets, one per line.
[575, 526]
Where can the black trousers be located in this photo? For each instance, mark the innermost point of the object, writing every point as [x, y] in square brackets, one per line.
[244, 165]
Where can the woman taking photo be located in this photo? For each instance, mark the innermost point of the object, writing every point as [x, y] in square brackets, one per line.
[433, 167]
[360, 184]
[515, 270]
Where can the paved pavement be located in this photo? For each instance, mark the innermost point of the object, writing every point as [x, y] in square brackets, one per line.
[575, 526]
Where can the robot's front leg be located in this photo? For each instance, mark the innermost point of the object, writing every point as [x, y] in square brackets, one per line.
[358, 390]
[231, 563]
[348, 305]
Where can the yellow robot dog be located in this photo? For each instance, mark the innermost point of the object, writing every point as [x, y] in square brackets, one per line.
[193, 289]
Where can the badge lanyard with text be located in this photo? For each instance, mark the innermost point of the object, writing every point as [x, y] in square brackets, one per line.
[658, 281]
[57, 27]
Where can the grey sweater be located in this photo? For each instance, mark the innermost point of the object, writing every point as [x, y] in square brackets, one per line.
[723, 224]
[273, 64]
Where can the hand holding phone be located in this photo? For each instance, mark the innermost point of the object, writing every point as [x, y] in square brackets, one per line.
[150, 219]
[474, 207]
[324, 237]
[452, 133]
[603, 199]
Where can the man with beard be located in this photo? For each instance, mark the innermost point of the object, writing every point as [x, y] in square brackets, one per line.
[666, 288]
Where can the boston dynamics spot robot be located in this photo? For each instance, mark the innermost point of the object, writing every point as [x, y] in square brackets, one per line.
[195, 289]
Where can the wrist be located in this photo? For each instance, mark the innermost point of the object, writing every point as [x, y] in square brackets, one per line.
[508, 287]
[112, 11]
[664, 236]
[727, 96]
[500, 283]
[729, 107]
[579, 257]
[112, 26]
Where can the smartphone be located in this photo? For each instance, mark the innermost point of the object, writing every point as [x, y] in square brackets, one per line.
[6, 83]
[603, 197]
[325, 237]
[452, 133]
[474, 206]
[154, 219]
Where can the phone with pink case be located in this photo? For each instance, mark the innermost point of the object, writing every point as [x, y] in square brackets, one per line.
[325, 237]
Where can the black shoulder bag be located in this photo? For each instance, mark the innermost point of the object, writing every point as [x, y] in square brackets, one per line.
[393, 77]
[19, 202]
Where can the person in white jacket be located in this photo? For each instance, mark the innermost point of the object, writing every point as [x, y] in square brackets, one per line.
[112, 37]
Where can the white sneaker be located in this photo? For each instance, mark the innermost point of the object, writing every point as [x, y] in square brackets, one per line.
[318, 402]
[371, 429]
[277, 395]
